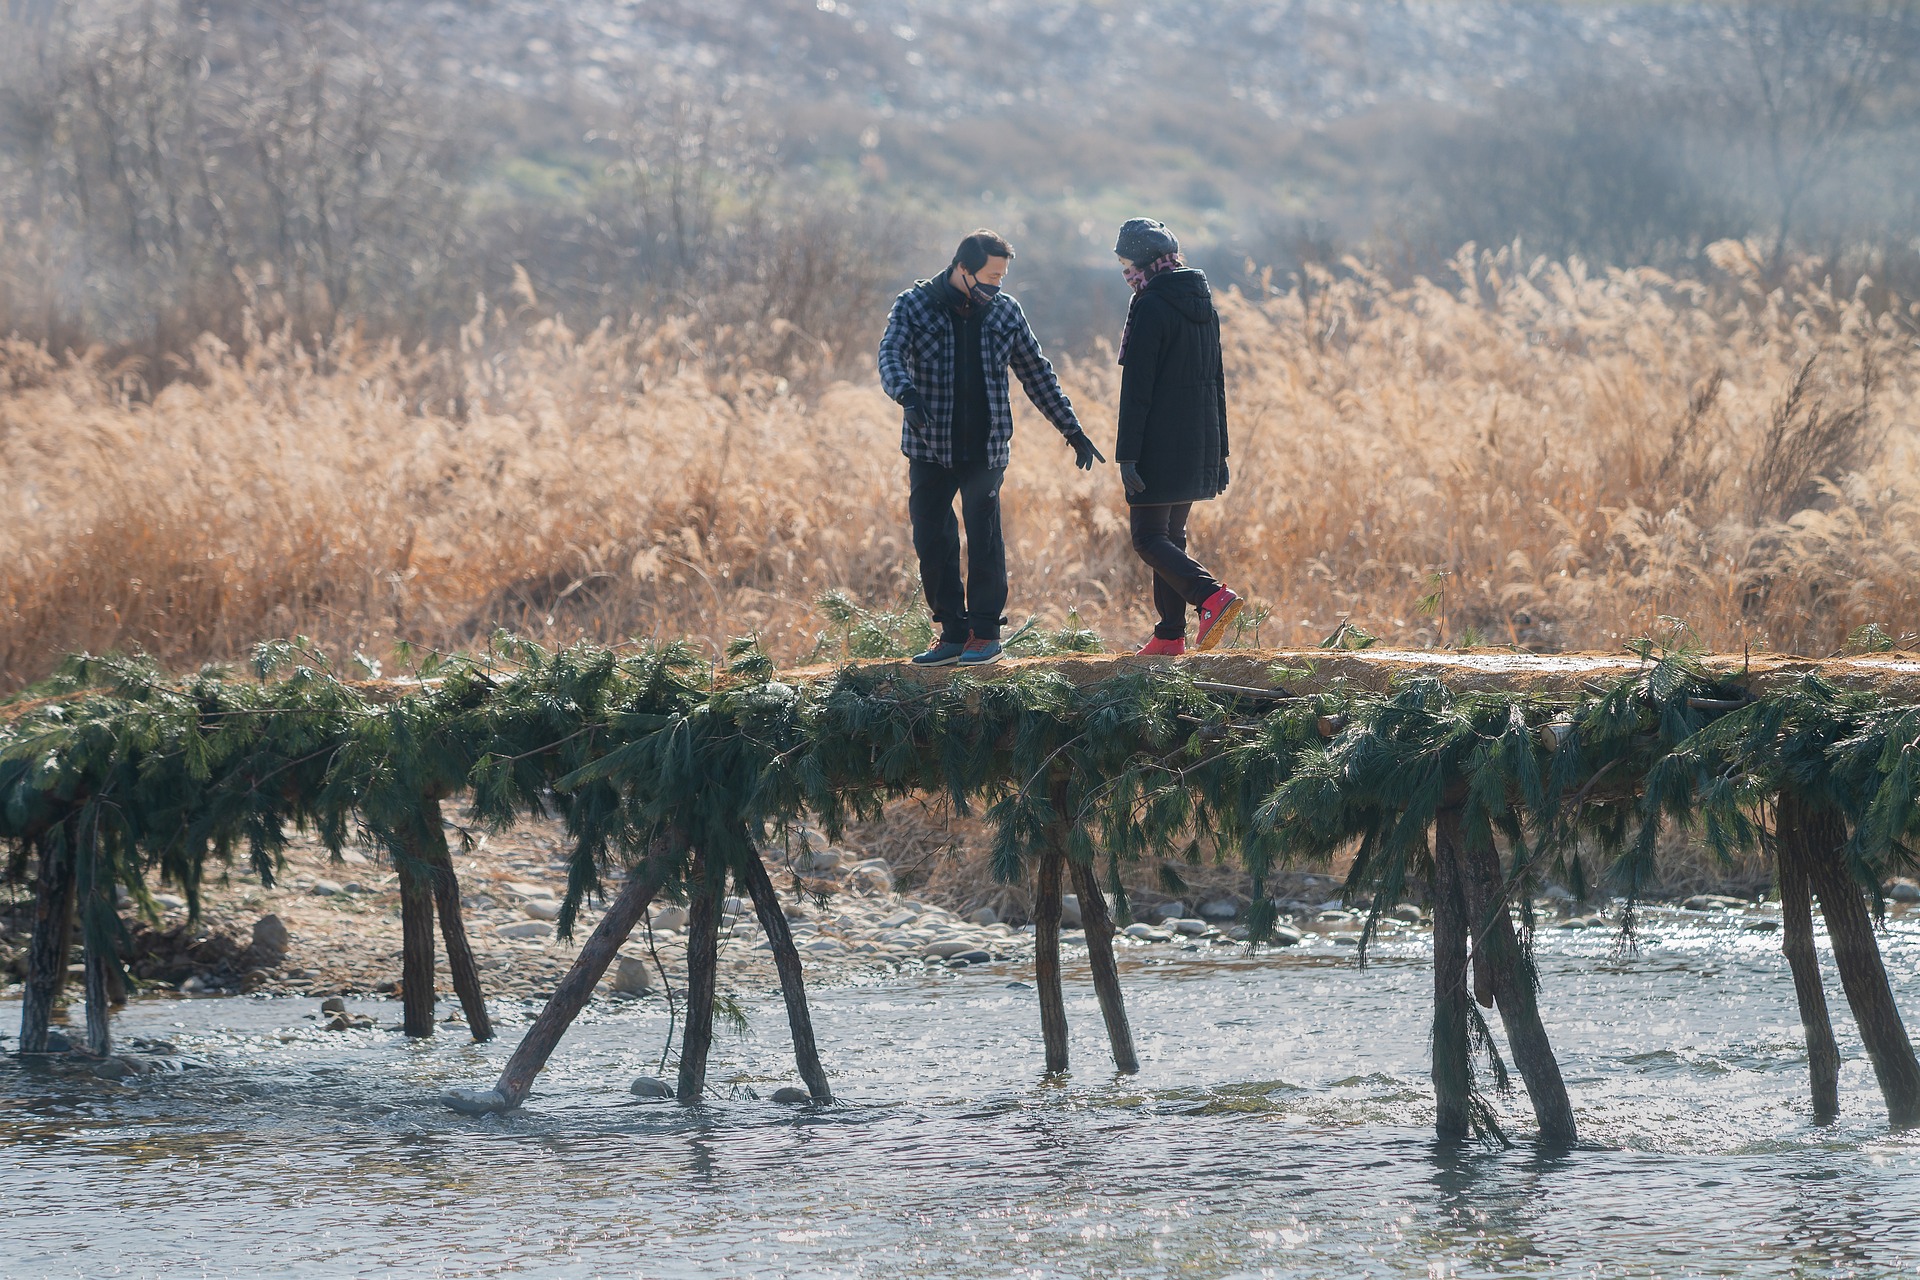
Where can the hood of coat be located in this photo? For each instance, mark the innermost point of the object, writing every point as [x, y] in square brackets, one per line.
[1186, 291]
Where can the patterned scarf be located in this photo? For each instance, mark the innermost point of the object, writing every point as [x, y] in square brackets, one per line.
[1137, 276]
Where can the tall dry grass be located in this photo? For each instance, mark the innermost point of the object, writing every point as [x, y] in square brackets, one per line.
[1578, 454]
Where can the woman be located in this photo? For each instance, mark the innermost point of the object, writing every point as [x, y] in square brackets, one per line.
[1172, 448]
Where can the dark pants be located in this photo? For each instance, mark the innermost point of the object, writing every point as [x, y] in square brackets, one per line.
[975, 610]
[1160, 538]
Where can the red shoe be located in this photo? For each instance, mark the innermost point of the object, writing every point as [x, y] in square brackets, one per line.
[1158, 648]
[1221, 608]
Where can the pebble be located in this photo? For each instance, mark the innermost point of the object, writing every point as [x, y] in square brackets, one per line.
[975, 957]
[327, 888]
[1147, 933]
[650, 1087]
[1762, 924]
[787, 1095]
[333, 1004]
[170, 901]
[525, 929]
[633, 976]
[672, 919]
[543, 909]
[1285, 937]
[1713, 902]
[1904, 891]
[1406, 913]
[270, 937]
[1189, 926]
[945, 950]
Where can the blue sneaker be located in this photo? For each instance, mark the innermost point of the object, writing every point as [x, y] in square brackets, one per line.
[979, 653]
[943, 654]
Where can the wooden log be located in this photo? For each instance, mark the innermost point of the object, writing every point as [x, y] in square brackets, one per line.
[1046, 959]
[793, 988]
[1106, 972]
[1511, 976]
[432, 850]
[1796, 942]
[531, 1054]
[100, 963]
[1856, 954]
[416, 947]
[707, 885]
[46, 951]
[1452, 1067]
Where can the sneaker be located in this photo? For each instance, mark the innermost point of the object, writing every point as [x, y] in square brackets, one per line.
[1221, 608]
[979, 653]
[1159, 648]
[943, 654]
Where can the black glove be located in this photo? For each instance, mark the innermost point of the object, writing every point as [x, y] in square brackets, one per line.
[1223, 473]
[916, 411]
[1130, 477]
[1084, 454]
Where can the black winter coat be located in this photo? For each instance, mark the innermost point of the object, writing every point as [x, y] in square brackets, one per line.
[1173, 392]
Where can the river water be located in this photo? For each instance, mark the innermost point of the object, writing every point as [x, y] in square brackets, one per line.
[1279, 1127]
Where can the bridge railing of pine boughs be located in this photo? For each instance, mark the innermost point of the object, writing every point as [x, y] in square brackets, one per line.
[1471, 782]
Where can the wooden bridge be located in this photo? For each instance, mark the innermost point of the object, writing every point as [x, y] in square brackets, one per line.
[1467, 774]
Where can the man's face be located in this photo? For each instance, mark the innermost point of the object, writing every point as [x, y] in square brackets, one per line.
[993, 273]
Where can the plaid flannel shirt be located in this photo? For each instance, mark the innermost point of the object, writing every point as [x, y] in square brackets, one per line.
[916, 354]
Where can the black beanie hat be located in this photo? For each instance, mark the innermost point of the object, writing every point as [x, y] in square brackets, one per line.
[1143, 239]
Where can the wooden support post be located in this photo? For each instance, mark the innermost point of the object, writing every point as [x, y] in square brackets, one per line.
[416, 946]
[707, 884]
[1511, 977]
[1792, 857]
[432, 851]
[1452, 1068]
[1106, 972]
[1046, 958]
[571, 996]
[46, 952]
[1856, 954]
[793, 988]
[100, 963]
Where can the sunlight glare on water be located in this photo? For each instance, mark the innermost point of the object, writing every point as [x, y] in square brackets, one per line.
[1278, 1128]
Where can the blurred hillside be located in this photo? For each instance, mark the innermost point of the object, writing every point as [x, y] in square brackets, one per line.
[777, 168]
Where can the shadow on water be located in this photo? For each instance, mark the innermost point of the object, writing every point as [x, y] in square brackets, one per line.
[1279, 1127]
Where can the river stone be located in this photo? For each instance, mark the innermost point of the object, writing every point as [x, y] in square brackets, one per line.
[474, 1102]
[1575, 923]
[671, 919]
[1762, 924]
[788, 1096]
[1904, 891]
[1166, 912]
[1191, 926]
[975, 957]
[650, 1087]
[525, 929]
[333, 1004]
[170, 901]
[1285, 937]
[1219, 909]
[897, 919]
[270, 938]
[1147, 933]
[947, 949]
[542, 909]
[1714, 902]
[327, 888]
[1070, 909]
[732, 906]
[633, 976]
[1406, 913]
[984, 916]
[824, 944]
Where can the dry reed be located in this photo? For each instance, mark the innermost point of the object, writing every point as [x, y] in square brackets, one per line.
[1536, 455]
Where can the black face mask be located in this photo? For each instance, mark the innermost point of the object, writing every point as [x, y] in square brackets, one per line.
[980, 295]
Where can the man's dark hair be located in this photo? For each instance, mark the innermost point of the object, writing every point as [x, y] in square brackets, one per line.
[978, 247]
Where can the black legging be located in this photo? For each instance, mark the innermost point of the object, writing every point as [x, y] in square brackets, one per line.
[1160, 538]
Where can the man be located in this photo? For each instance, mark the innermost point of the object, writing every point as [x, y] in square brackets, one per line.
[944, 359]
